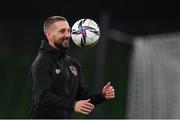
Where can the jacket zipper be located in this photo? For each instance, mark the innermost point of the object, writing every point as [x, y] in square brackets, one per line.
[67, 88]
[68, 77]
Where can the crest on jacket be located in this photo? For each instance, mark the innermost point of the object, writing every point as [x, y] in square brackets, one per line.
[73, 70]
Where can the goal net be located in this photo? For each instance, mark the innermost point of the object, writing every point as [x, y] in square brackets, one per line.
[154, 77]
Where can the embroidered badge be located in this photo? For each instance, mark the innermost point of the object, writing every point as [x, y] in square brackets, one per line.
[58, 71]
[73, 70]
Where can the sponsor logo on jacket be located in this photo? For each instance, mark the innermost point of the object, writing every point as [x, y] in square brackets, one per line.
[57, 71]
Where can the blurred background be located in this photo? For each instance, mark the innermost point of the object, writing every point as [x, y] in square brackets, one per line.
[138, 51]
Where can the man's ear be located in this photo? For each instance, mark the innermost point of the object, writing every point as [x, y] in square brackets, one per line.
[48, 35]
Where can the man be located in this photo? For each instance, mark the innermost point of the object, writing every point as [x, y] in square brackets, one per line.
[58, 89]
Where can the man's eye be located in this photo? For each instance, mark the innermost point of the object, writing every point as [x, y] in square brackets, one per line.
[62, 31]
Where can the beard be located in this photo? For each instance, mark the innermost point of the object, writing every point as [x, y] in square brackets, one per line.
[62, 43]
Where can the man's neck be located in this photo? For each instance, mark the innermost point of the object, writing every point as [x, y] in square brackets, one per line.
[52, 45]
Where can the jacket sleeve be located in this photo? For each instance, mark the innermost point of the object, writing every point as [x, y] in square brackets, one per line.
[40, 74]
[83, 94]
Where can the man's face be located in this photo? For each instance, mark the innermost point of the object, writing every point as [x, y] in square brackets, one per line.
[60, 34]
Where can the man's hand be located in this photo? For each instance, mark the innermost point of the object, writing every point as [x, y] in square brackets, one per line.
[83, 106]
[108, 91]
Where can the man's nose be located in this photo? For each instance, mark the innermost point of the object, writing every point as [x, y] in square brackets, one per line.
[68, 34]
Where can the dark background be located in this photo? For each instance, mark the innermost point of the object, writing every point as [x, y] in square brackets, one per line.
[135, 17]
[21, 34]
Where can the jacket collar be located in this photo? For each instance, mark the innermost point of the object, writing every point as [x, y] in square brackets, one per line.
[46, 47]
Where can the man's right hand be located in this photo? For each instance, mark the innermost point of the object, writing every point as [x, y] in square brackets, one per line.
[83, 106]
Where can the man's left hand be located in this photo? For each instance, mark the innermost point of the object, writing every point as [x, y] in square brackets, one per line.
[108, 91]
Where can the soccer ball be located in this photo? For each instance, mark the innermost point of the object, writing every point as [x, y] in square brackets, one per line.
[85, 33]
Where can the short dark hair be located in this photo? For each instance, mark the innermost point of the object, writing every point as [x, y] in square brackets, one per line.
[50, 20]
